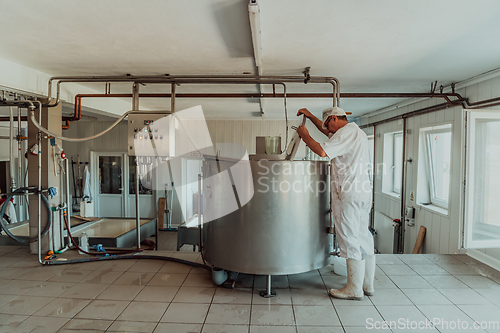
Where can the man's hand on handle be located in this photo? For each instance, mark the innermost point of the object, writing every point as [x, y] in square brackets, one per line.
[317, 122]
[305, 112]
[302, 131]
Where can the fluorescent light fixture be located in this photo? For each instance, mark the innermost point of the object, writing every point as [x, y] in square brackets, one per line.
[254, 15]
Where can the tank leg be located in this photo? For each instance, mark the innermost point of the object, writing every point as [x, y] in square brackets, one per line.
[268, 293]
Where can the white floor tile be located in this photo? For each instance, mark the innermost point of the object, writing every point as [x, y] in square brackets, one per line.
[383, 282]
[388, 259]
[410, 259]
[63, 308]
[101, 309]
[273, 329]
[460, 269]
[86, 324]
[390, 297]
[464, 296]
[36, 324]
[485, 315]
[478, 282]
[178, 328]
[283, 296]
[410, 282]
[228, 314]
[194, 295]
[157, 294]
[186, 313]
[365, 330]
[25, 305]
[310, 296]
[132, 326]
[214, 328]
[446, 318]
[358, 316]
[232, 296]
[316, 315]
[490, 294]
[403, 317]
[428, 269]
[445, 282]
[271, 315]
[319, 329]
[426, 296]
[397, 269]
[143, 311]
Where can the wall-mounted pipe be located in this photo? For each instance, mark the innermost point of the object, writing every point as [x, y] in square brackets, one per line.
[135, 107]
[11, 156]
[68, 203]
[23, 118]
[335, 95]
[401, 236]
[39, 153]
[172, 97]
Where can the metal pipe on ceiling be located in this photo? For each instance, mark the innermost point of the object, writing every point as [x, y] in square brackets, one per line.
[220, 79]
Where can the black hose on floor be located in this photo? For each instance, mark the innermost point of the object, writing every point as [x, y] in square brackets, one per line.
[142, 256]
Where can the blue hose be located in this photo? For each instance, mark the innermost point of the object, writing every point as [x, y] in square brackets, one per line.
[2, 212]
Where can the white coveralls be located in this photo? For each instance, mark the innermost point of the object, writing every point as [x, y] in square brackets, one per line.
[350, 190]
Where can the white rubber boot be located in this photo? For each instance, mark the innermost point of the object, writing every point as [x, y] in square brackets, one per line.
[354, 287]
[368, 287]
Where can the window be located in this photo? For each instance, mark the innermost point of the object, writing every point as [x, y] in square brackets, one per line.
[436, 155]
[482, 180]
[393, 163]
[110, 174]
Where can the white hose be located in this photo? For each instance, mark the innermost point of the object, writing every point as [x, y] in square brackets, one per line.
[46, 131]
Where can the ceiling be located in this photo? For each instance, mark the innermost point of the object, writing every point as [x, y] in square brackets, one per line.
[370, 46]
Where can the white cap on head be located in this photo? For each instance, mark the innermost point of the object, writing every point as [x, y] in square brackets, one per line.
[333, 111]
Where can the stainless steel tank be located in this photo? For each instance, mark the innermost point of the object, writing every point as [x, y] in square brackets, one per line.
[282, 229]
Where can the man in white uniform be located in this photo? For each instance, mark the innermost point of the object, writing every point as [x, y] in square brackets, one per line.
[351, 194]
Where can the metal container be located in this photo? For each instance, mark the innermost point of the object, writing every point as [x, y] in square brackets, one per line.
[281, 229]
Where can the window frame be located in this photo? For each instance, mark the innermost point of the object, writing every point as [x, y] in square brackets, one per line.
[371, 155]
[389, 158]
[396, 183]
[430, 170]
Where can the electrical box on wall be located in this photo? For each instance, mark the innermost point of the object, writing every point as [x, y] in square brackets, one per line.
[410, 215]
[151, 133]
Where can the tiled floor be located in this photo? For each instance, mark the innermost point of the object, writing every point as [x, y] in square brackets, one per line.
[161, 296]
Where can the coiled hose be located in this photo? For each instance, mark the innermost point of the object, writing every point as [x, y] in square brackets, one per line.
[14, 237]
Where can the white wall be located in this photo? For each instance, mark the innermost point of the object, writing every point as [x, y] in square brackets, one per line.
[443, 230]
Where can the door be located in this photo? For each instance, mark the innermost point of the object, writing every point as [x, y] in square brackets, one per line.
[108, 183]
[482, 179]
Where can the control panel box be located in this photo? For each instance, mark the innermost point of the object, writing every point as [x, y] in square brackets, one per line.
[151, 133]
